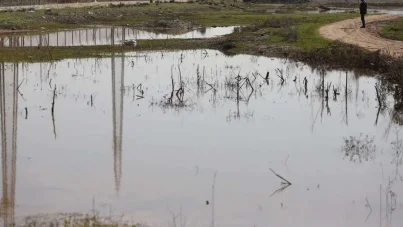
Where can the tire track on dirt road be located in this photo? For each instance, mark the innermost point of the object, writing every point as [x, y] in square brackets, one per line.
[349, 31]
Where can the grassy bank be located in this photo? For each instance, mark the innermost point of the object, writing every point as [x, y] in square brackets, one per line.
[261, 31]
[393, 30]
[223, 13]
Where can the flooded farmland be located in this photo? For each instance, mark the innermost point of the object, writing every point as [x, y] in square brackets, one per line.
[196, 138]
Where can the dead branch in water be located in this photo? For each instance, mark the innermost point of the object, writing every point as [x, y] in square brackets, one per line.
[53, 111]
[280, 74]
[306, 86]
[327, 89]
[53, 101]
[282, 178]
[335, 93]
[266, 78]
[180, 93]
[380, 96]
[173, 86]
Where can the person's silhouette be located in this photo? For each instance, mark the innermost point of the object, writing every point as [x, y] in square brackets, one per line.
[363, 11]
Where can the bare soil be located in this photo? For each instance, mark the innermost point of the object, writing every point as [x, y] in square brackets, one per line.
[349, 31]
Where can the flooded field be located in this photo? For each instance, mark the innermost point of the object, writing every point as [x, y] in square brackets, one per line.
[105, 36]
[196, 138]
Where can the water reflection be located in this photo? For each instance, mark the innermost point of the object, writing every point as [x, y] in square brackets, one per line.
[225, 113]
[9, 110]
[118, 74]
[103, 36]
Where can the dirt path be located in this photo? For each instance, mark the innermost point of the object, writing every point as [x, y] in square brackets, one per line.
[349, 31]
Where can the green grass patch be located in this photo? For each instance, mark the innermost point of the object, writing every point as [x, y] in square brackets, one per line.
[46, 54]
[393, 30]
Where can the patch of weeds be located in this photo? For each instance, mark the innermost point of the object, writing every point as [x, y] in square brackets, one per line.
[75, 220]
[393, 30]
[119, 5]
[226, 45]
[289, 35]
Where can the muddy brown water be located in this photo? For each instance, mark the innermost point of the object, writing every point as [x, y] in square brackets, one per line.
[105, 36]
[116, 144]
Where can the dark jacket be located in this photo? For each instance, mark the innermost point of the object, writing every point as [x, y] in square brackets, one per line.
[363, 7]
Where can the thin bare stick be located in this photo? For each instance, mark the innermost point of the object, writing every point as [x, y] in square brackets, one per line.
[277, 175]
[26, 113]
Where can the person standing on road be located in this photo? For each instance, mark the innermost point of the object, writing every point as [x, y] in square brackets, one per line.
[363, 11]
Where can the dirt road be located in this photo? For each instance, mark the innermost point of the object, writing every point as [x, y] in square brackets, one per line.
[349, 31]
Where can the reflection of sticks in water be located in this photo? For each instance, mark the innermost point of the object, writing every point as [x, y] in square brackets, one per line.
[346, 97]
[377, 115]
[280, 74]
[379, 96]
[53, 111]
[117, 118]
[181, 91]
[282, 178]
[328, 85]
[335, 93]
[380, 205]
[212, 199]
[284, 184]
[8, 98]
[211, 87]
[306, 87]
[283, 187]
[266, 79]
[173, 86]
[370, 208]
